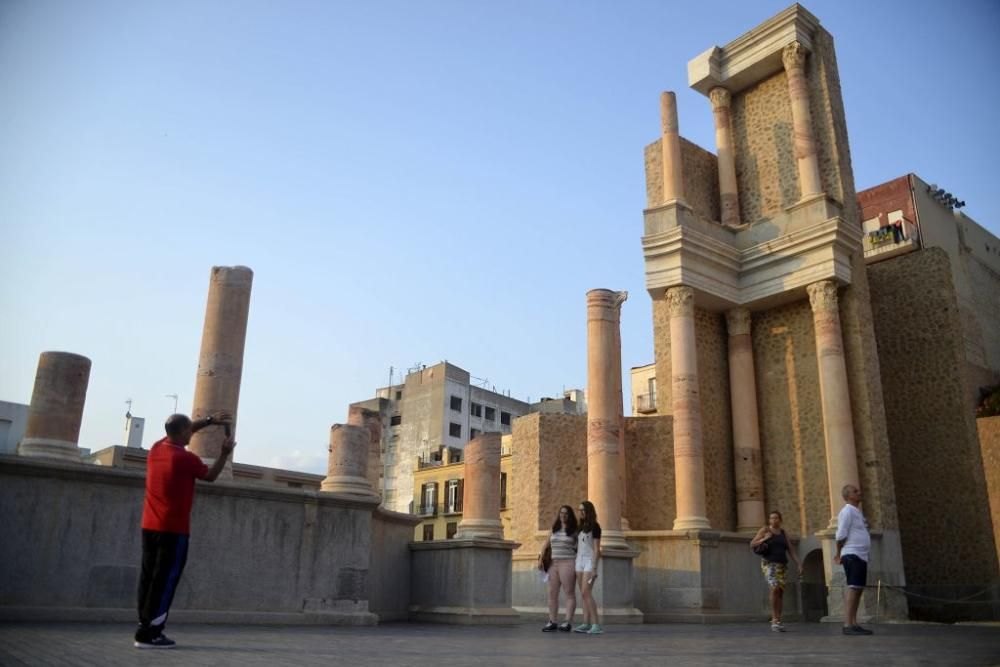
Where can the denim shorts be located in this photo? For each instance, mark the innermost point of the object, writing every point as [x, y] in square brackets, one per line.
[855, 569]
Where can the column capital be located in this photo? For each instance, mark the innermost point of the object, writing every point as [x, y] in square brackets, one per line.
[720, 97]
[680, 301]
[793, 56]
[823, 295]
[738, 321]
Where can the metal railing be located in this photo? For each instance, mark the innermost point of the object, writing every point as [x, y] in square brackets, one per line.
[645, 402]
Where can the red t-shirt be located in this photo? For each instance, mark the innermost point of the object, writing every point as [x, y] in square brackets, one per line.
[170, 474]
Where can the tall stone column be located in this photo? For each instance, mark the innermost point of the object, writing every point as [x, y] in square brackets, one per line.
[689, 465]
[670, 144]
[604, 412]
[622, 460]
[56, 410]
[347, 464]
[838, 425]
[481, 502]
[220, 364]
[729, 201]
[371, 420]
[794, 58]
[746, 430]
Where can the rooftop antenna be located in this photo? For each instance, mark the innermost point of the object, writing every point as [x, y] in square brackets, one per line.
[173, 396]
[128, 411]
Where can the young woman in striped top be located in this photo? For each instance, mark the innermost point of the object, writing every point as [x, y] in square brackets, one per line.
[562, 572]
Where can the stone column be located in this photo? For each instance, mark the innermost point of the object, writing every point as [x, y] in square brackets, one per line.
[838, 425]
[794, 58]
[604, 412]
[746, 431]
[371, 420]
[56, 410]
[673, 180]
[481, 502]
[689, 465]
[220, 364]
[347, 463]
[729, 201]
[622, 459]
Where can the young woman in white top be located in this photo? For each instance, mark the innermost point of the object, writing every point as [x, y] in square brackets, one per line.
[588, 554]
[562, 541]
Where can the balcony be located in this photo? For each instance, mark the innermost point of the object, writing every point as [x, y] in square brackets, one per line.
[897, 238]
[645, 403]
[427, 510]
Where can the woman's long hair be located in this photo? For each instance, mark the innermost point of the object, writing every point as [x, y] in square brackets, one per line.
[589, 517]
[570, 521]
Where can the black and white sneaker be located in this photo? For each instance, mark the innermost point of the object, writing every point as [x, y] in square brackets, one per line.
[565, 627]
[550, 627]
[161, 641]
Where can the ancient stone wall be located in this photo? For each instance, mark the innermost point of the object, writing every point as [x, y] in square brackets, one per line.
[945, 525]
[701, 178]
[548, 469]
[989, 447]
[649, 442]
[712, 340]
[764, 149]
[791, 417]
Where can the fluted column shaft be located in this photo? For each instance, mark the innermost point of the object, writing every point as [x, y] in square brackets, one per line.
[689, 466]
[220, 363]
[746, 430]
[481, 502]
[794, 58]
[729, 200]
[56, 410]
[670, 144]
[604, 412]
[838, 425]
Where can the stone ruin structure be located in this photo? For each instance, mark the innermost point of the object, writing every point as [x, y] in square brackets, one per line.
[770, 393]
[767, 342]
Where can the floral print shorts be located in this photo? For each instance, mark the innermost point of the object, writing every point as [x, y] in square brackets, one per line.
[774, 573]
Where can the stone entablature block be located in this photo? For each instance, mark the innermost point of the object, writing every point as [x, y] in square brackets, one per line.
[753, 56]
[766, 263]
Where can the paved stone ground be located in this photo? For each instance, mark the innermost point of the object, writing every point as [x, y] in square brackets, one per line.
[444, 646]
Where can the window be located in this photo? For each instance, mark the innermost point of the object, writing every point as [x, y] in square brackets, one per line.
[503, 490]
[455, 430]
[456, 403]
[428, 531]
[491, 414]
[477, 409]
[451, 529]
[428, 503]
[453, 497]
[399, 395]
[395, 420]
[505, 418]
[473, 433]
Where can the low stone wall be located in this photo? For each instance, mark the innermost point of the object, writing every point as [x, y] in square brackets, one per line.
[71, 547]
[389, 575]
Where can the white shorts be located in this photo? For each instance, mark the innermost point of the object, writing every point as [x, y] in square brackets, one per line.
[584, 564]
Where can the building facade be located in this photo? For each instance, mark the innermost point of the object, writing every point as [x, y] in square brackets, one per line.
[907, 214]
[434, 407]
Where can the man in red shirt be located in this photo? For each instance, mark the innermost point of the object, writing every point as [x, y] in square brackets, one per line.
[166, 519]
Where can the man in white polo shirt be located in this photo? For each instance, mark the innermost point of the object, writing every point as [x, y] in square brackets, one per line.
[853, 545]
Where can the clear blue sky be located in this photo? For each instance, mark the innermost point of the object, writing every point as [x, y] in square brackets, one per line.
[410, 181]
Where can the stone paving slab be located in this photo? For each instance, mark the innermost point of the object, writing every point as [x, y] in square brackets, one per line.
[444, 646]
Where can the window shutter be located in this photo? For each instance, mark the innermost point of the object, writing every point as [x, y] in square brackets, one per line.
[435, 500]
[459, 495]
[423, 496]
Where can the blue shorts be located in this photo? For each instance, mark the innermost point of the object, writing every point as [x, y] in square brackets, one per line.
[856, 570]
